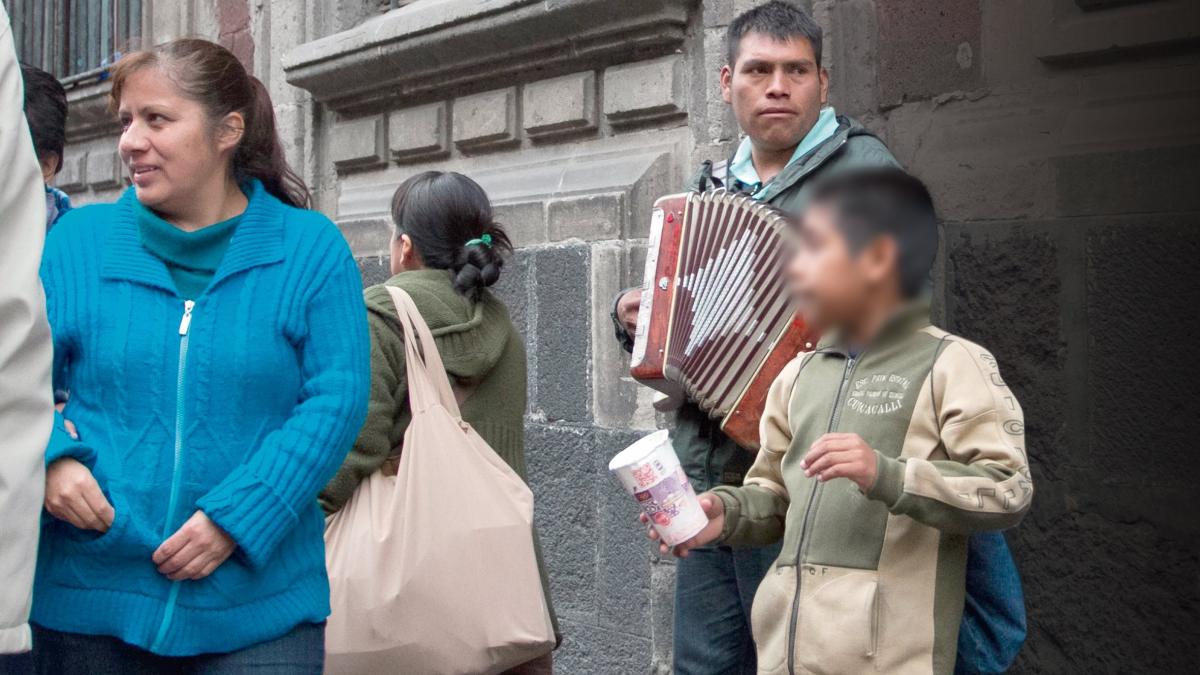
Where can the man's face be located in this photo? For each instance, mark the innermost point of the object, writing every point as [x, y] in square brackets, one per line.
[776, 89]
[827, 280]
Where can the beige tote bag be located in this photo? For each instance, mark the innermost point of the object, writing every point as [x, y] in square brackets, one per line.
[433, 570]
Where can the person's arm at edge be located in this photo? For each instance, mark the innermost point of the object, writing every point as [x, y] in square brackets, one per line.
[26, 403]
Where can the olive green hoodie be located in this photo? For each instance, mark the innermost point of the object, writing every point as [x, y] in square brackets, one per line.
[483, 353]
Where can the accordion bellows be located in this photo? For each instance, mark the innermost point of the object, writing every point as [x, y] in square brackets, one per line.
[717, 324]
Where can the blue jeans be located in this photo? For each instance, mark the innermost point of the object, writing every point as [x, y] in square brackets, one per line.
[714, 588]
[300, 652]
[993, 622]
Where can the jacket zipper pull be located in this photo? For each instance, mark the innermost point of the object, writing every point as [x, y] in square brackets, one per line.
[186, 322]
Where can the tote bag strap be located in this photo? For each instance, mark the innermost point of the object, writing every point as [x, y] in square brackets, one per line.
[427, 381]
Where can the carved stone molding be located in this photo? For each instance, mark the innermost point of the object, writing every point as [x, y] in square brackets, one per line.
[601, 195]
[428, 51]
[87, 112]
[1071, 31]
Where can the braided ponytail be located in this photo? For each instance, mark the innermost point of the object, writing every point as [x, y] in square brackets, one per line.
[449, 219]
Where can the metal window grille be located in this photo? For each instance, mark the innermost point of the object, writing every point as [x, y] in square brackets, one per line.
[74, 39]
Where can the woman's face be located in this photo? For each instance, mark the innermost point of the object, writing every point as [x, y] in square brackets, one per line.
[167, 142]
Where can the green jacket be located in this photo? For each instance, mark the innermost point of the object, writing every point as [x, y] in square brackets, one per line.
[709, 456]
[874, 582]
[481, 350]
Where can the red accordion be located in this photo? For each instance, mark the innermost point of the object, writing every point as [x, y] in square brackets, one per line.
[717, 324]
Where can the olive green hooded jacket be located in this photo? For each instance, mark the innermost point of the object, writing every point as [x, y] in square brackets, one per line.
[483, 354]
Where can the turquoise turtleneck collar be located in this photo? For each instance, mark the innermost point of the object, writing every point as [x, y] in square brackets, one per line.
[192, 258]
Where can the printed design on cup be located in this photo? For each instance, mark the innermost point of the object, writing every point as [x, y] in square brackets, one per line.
[649, 470]
[662, 502]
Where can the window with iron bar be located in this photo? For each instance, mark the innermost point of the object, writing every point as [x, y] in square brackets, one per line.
[74, 40]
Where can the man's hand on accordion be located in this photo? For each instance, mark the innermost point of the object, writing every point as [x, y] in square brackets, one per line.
[627, 309]
[713, 507]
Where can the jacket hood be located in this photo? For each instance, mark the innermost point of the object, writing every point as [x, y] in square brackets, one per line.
[851, 140]
[470, 336]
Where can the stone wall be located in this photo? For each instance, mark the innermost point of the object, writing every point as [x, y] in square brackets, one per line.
[1059, 138]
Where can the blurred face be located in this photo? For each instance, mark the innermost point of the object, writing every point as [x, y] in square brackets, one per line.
[174, 153]
[830, 282]
[776, 90]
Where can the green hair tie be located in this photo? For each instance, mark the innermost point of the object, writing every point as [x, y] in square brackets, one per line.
[484, 241]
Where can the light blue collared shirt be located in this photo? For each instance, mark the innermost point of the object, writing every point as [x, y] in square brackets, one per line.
[742, 166]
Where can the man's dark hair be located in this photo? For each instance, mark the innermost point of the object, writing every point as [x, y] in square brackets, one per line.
[46, 112]
[885, 202]
[782, 21]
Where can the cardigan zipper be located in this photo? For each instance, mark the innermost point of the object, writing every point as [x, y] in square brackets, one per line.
[810, 515]
[185, 325]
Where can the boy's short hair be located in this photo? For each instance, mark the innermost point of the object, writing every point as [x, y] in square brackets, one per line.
[885, 202]
[781, 20]
[46, 112]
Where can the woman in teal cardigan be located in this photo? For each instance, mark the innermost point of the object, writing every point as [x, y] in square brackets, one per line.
[212, 335]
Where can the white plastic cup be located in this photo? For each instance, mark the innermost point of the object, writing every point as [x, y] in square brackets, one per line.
[650, 471]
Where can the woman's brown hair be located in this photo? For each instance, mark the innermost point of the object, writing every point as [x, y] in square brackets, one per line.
[212, 76]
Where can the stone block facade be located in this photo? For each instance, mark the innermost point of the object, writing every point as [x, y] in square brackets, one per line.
[1058, 136]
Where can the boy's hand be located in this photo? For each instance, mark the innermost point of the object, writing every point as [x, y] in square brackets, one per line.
[841, 456]
[713, 507]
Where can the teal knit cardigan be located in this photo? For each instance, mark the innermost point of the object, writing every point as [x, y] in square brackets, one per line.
[242, 404]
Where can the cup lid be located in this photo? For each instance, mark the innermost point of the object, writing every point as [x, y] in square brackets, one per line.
[639, 450]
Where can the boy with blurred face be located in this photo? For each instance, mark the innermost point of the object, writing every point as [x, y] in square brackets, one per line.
[882, 450]
[774, 82]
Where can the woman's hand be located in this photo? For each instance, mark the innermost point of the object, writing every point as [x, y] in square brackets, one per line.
[73, 495]
[68, 424]
[195, 551]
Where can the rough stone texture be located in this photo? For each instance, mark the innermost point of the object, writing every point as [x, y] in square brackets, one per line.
[1000, 278]
[73, 176]
[525, 222]
[562, 342]
[374, 270]
[600, 561]
[642, 93]
[624, 582]
[1139, 181]
[662, 619]
[420, 133]
[927, 48]
[592, 649]
[561, 107]
[1139, 293]
[614, 393]
[486, 121]
[358, 144]
[850, 47]
[103, 170]
[233, 17]
[369, 236]
[562, 462]
[593, 217]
